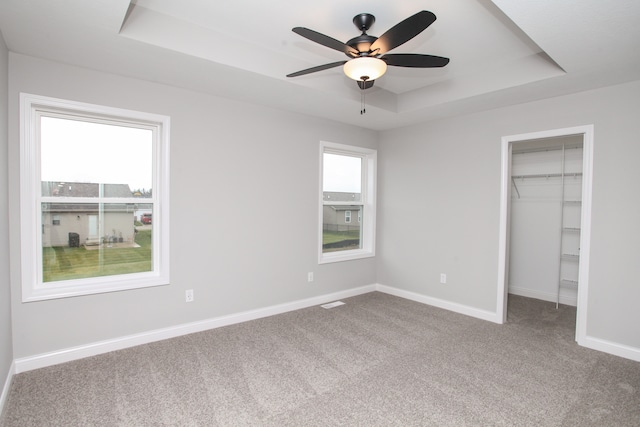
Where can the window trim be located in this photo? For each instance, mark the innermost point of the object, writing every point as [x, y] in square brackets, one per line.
[368, 202]
[33, 288]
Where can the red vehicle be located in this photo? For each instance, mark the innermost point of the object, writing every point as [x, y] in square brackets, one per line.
[146, 218]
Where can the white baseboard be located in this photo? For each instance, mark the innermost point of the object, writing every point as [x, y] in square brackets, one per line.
[616, 349]
[7, 385]
[544, 296]
[69, 354]
[66, 355]
[436, 302]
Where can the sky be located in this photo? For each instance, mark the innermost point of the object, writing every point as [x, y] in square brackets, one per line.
[77, 151]
[341, 173]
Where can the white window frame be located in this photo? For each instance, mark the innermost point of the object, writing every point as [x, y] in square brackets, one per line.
[369, 181]
[347, 217]
[32, 107]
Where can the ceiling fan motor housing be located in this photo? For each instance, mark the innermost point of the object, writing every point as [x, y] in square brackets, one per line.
[361, 44]
[363, 22]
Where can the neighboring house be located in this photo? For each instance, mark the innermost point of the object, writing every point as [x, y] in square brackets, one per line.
[341, 217]
[89, 221]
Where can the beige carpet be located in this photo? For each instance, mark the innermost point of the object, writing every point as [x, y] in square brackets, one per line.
[378, 360]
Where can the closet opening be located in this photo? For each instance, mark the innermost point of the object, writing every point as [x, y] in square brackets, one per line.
[545, 219]
[545, 212]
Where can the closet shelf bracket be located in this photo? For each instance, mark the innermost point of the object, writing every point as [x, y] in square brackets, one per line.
[513, 180]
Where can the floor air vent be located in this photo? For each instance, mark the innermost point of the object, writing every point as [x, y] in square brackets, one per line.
[332, 304]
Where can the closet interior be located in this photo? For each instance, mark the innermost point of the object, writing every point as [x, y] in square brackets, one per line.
[546, 206]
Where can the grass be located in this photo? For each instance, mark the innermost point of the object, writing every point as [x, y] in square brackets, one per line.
[65, 263]
[339, 236]
[331, 240]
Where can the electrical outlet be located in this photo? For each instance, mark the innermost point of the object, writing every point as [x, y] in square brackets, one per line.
[188, 295]
[310, 276]
[443, 278]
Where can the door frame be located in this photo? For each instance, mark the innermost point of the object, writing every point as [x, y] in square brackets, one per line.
[585, 218]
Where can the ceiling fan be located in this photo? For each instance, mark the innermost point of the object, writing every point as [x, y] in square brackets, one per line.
[368, 54]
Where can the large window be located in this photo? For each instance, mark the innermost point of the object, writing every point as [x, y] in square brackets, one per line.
[86, 171]
[347, 187]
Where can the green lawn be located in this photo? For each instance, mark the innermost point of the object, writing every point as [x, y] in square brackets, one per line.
[338, 236]
[331, 240]
[64, 263]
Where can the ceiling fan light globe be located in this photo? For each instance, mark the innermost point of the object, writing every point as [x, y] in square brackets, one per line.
[365, 68]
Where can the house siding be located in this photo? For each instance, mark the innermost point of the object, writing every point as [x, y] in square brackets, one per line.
[334, 216]
[61, 218]
[119, 224]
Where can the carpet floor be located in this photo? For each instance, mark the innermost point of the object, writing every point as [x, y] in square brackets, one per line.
[378, 360]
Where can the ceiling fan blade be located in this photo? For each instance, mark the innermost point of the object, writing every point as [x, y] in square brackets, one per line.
[403, 32]
[415, 60]
[315, 69]
[327, 41]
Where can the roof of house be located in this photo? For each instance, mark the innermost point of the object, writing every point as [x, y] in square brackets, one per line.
[84, 189]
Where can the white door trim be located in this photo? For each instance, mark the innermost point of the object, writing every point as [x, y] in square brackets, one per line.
[585, 235]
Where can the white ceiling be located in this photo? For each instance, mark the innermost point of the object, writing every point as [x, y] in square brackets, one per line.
[502, 52]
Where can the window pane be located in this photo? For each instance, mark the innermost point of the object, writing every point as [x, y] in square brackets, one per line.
[84, 189]
[339, 233]
[92, 240]
[77, 155]
[341, 178]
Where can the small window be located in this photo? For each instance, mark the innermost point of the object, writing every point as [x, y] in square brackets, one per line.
[348, 179]
[85, 170]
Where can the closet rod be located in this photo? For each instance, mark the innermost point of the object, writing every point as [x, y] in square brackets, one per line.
[537, 150]
[546, 175]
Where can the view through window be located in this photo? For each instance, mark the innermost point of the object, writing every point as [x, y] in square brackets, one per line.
[342, 195]
[95, 179]
[348, 192]
[92, 179]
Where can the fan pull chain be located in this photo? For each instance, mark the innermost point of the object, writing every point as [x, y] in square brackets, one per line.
[363, 86]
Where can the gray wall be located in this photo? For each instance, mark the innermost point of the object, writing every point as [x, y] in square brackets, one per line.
[6, 348]
[235, 168]
[447, 174]
[238, 167]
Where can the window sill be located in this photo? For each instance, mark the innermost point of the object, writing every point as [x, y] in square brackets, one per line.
[79, 287]
[327, 258]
